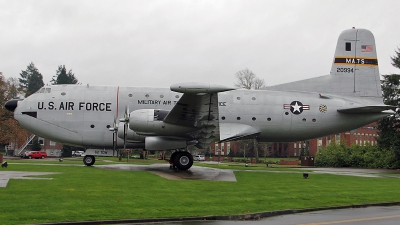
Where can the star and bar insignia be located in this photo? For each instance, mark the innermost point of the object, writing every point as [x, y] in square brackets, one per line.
[296, 107]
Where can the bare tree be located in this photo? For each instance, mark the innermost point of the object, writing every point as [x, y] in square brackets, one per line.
[259, 83]
[248, 80]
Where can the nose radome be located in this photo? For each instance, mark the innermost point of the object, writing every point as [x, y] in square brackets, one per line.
[12, 104]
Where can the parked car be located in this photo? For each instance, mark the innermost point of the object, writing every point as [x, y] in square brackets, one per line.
[34, 154]
[199, 158]
[78, 153]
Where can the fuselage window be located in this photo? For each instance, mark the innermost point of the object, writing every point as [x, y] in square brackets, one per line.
[269, 119]
[161, 96]
[304, 120]
[314, 120]
[130, 95]
[147, 95]
[286, 113]
[238, 98]
[63, 93]
[92, 126]
[253, 98]
[223, 118]
[254, 119]
[238, 118]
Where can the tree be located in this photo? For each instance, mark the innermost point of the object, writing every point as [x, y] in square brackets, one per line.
[247, 79]
[389, 133]
[396, 59]
[10, 131]
[67, 150]
[36, 145]
[389, 127]
[62, 77]
[31, 80]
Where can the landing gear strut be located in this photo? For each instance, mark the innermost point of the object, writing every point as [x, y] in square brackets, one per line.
[182, 160]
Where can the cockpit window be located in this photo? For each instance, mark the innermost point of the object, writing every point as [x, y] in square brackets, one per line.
[44, 90]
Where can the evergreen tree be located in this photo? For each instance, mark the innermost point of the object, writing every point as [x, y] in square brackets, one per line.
[396, 59]
[62, 77]
[36, 146]
[67, 150]
[389, 127]
[31, 80]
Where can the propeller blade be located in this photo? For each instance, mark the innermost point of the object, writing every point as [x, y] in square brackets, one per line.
[115, 126]
[127, 114]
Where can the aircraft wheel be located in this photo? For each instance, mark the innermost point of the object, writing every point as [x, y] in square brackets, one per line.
[183, 160]
[173, 155]
[89, 160]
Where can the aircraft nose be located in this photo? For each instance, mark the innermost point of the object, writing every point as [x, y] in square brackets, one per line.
[12, 104]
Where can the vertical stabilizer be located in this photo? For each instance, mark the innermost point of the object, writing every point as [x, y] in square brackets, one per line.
[354, 70]
[356, 64]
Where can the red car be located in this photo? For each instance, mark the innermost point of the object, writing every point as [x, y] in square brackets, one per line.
[34, 154]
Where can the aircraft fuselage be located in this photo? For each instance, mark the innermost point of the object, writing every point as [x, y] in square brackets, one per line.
[82, 115]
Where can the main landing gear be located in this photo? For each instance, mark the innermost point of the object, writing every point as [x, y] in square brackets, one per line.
[181, 160]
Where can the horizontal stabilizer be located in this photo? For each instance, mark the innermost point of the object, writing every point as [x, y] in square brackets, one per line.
[235, 131]
[368, 109]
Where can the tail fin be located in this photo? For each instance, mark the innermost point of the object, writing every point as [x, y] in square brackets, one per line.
[354, 71]
[356, 64]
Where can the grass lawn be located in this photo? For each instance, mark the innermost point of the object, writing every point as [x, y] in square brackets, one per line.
[82, 193]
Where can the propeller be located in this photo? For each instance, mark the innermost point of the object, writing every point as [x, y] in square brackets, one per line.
[114, 129]
[125, 120]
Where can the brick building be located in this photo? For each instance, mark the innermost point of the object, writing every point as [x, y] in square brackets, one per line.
[50, 147]
[361, 136]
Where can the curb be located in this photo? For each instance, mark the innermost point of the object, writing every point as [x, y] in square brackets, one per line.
[251, 216]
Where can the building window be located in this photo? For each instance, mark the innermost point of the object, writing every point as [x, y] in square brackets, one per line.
[41, 141]
[52, 143]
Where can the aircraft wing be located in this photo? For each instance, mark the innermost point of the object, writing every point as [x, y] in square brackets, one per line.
[198, 108]
[193, 110]
[367, 109]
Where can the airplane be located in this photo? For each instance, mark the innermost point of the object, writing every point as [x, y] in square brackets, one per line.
[200, 113]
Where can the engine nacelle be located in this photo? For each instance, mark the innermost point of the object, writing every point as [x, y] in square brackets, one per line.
[149, 122]
[162, 143]
[145, 121]
[131, 136]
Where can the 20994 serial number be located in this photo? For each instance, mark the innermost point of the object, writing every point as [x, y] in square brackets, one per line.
[345, 70]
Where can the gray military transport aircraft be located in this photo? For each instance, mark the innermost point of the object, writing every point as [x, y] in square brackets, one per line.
[198, 114]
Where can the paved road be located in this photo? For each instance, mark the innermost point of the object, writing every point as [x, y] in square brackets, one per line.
[382, 215]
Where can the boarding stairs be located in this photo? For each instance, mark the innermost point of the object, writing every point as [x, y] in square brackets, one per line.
[22, 149]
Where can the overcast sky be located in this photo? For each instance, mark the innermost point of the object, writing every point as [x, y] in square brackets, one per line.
[160, 43]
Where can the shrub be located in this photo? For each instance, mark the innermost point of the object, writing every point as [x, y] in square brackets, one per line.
[368, 156]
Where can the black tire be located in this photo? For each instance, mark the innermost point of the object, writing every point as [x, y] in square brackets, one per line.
[172, 158]
[89, 160]
[183, 160]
